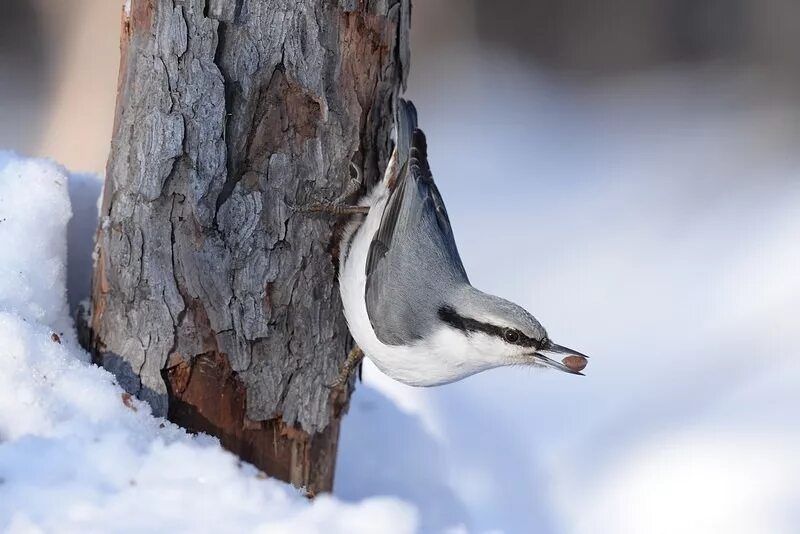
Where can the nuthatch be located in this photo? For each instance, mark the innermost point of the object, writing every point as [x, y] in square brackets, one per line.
[406, 296]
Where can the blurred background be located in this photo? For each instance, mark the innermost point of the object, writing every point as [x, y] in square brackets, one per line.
[628, 171]
[64, 55]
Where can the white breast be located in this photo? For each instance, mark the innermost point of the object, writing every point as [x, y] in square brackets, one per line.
[441, 358]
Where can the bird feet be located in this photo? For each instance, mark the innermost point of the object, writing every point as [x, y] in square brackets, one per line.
[338, 210]
[340, 207]
[350, 363]
[355, 181]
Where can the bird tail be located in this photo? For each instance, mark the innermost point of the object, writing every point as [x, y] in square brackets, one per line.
[405, 124]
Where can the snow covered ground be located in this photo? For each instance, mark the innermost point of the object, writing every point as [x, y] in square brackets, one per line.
[76, 453]
[653, 224]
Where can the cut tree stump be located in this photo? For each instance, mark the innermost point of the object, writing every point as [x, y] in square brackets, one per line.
[213, 299]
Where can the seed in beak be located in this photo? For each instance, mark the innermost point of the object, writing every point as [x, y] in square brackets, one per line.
[575, 363]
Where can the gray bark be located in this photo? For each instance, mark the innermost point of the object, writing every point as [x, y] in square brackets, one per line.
[213, 299]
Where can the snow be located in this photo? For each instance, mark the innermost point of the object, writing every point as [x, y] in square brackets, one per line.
[33, 215]
[76, 453]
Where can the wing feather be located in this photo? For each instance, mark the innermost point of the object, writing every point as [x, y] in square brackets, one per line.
[413, 258]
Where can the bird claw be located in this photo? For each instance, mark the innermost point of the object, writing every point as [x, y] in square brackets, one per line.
[312, 207]
[350, 363]
[338, 206]
[332, 209]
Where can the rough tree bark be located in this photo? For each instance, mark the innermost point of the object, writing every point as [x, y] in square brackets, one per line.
[213, 299]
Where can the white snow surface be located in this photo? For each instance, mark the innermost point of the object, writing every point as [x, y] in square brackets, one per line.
[76, 454]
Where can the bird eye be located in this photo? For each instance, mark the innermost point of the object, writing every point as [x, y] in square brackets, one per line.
[512, 336]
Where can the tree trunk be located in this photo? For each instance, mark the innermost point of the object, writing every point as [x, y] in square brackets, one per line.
[213, 299]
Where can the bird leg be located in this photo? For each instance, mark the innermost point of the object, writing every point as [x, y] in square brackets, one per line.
[353, 186]
[353, 358]
[334, 209]
[340, 207]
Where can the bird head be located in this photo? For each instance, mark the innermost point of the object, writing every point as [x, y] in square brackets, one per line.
[503, 333]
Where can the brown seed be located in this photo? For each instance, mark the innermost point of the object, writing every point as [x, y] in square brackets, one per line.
[575, 363]
[54, 337]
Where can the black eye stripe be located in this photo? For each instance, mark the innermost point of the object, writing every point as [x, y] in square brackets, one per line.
[451, 317]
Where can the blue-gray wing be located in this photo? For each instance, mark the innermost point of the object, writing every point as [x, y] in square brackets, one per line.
[413, 259]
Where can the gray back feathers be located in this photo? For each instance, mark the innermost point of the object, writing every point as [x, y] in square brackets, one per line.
[413, 264]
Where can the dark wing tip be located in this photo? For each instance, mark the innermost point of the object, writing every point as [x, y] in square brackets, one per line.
[419, 154]
[408, 113]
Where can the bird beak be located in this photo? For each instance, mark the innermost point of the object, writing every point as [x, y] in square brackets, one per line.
[572, 361]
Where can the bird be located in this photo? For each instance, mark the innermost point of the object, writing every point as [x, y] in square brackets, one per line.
[408, 302]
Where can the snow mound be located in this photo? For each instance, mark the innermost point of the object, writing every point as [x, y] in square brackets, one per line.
[77, 454]
[34, 210]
